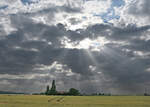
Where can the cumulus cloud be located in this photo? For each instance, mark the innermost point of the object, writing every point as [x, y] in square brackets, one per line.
[135, 11]
[42, 40]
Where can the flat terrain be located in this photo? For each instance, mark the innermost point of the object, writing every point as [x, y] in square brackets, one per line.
[73, 101]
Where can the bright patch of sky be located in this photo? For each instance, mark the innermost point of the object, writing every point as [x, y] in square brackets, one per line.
[93, 45]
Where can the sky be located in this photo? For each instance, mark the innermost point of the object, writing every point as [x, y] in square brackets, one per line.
[91, 45]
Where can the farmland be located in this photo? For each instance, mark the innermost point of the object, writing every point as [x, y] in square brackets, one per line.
[73, 101]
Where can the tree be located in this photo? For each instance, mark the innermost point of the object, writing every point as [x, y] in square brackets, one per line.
[47, 90]
[53, 89]
[74, 92]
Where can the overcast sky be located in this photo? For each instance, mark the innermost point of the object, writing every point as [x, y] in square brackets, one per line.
[91, 45]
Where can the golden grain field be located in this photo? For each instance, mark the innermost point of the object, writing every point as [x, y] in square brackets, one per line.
[73, 101]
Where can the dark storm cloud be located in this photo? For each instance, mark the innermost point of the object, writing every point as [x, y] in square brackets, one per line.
[140, 8]
[125, 72]
[139, 45]
[74, 21]
[78, 61]
[30, 30]
[15, 60]
[129, 32]
[28, 46]
[18, 45]
[56, 9]
[136, 11]
[118, 65]
[52, 11]
[115, 33]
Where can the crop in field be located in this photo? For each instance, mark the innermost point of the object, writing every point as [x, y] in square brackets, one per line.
[73, 101]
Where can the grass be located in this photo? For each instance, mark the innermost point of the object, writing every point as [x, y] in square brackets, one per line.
[73, 101]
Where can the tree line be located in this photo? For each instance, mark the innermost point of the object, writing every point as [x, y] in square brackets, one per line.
[53, 91]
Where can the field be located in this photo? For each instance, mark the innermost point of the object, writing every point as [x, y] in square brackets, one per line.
[73, 101]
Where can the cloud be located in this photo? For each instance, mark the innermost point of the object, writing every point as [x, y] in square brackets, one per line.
[135, 11]
[65, 41]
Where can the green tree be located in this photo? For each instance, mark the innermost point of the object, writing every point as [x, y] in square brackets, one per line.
[47, 90]
[74, 92]
[53, 89]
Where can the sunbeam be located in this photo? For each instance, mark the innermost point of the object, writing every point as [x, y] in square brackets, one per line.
[87, 44]
[102, 43]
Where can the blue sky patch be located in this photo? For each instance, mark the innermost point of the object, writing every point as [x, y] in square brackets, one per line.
[117, 3]
[110, 14]
[3, 7]
[28, 1]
